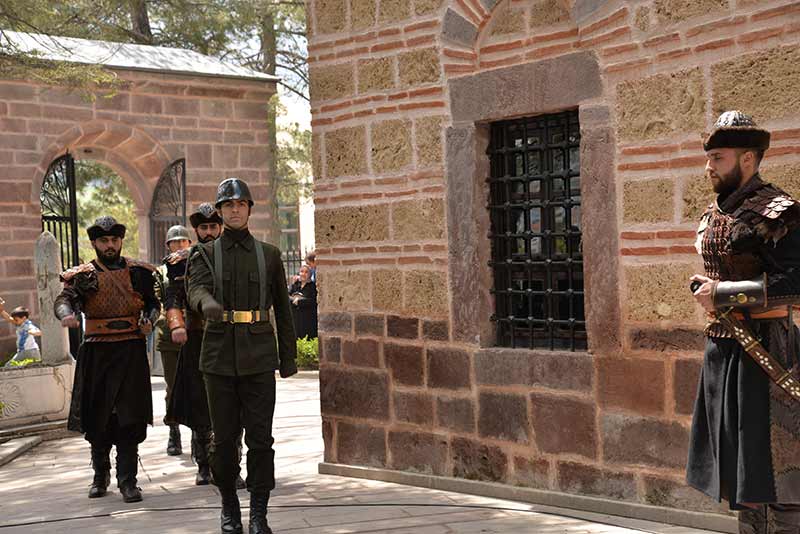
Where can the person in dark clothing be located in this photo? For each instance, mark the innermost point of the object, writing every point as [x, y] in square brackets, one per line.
[111, 398]
[745, 439]
[170, 274]
[303, 295]
[233, 282]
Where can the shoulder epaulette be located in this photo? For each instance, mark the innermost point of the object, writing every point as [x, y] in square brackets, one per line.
[143, 264]
[771, 211]
[70, 273]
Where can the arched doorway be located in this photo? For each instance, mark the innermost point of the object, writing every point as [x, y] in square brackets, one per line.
[168, 207]
[59, 208]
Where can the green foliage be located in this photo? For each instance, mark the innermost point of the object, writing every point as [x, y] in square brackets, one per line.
[308, 353]
[100, 191]
[23, 363]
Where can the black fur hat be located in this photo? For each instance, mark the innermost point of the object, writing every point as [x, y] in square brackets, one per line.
[106, 225]
[734, 129]
[205, 213]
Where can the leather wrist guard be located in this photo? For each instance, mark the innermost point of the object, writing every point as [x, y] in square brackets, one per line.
[175, 319]
[742, 294]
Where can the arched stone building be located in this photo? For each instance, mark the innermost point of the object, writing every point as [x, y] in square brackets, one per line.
[178, 118]
[506, 201]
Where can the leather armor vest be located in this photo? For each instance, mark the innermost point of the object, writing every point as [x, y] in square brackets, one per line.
[108, 302]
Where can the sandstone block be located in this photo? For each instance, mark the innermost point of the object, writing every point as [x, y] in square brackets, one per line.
[346, 290]
[448, 368]
[428, 140]
[402, 327]
[697, 196]
[637, 440]
[354, 393]
[414, 408]
[435, 330]
[648, 201]
[548, 13]
[346, 152]
[681, 108]
[457, 28]
[225, 157]
[426, 293]
[331, 82]
[503, 416]
[363, 13]
[255, 157]
[588, 480]
[335, 322]
[531, 472]
[391, 145]
[686, 380]
[563, 426]
[419, 67]
[331, 16]
[475, 461]
[328, 440]
[631, 384]
[506, 20]
[418, 452]
[423, 7]
[660, 291]
[787, 177]
[393, 10]
[375, 74]
[352, 223]
[370, 325]
[667, 340]
[642, 18]
[672, 11]
[676, 494]
[513, 367]
[181, 106]
[199, 156]
[360, 444]
[330, 349]
[361, 353]
[316, 155]
[418, 219]
[406, 363]
[760, 83]
[456, 414]
[387, 290]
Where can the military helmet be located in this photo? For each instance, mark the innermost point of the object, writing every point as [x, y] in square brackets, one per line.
[233, 189]
[205, 213]
[735, 129]
[106, 225]
[176, 233]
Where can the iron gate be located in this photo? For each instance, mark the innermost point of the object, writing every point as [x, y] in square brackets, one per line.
[168, 207]
[59, 208]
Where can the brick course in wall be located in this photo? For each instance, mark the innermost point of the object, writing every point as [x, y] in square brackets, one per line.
[649, 78]
[218, 125]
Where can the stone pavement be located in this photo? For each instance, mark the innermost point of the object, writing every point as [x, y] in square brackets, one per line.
[45, 491]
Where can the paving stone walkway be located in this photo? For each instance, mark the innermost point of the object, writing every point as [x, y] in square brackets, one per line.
[45, 491]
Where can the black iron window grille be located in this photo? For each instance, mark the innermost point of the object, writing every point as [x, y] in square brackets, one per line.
[535, 214]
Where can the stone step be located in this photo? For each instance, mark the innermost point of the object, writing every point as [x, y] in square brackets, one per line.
[15, 447]
[46, 431]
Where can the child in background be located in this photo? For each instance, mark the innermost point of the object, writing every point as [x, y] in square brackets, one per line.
[26, 330]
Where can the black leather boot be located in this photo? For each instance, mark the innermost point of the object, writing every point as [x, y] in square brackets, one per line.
[783, 519]
[258, 514]
[174, 447]
[753, 521]
[127, 457]
[101, 464]
[200, 442]
[230, 518]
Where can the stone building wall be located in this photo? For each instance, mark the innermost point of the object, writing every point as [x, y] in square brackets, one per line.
[218, 125]
[402, 91]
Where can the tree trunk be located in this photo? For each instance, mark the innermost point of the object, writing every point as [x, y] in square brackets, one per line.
[140, 22]
[269, 53]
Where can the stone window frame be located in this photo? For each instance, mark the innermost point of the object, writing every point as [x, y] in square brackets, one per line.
[549, 86]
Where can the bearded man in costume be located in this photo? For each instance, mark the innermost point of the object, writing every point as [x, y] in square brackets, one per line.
[111, 397]
[745, 440]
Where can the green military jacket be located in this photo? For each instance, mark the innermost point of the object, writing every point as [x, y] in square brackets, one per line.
[242, 348]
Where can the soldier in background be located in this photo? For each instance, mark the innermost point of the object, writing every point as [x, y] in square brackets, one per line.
[169, 273]
[233, 282]
[111, 397]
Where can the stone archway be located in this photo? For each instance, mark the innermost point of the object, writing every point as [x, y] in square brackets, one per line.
[130, 152]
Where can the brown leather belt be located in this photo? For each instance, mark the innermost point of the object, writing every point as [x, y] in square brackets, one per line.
[775, 313]
[234, 316]
[112, 325]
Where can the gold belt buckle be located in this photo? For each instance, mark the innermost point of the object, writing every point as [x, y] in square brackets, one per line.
[242, 317]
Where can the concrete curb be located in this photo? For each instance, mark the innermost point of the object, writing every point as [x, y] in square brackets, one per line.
[593, 505]
[306, 374]
[15, 447]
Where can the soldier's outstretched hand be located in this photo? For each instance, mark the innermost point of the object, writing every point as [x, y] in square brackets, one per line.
[288, 369]
[179, 336]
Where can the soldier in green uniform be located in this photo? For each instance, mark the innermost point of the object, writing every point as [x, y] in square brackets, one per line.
[178, 242]
[233, 282]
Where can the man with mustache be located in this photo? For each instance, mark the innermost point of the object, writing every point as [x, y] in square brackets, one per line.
[745, 440]
[111, 397]
[233, 282]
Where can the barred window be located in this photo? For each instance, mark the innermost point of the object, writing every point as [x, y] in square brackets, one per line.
[535, 213]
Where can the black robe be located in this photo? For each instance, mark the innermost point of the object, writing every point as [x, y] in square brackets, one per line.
[304, 312]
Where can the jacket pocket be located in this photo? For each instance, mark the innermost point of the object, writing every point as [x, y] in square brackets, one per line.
[260, 328]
